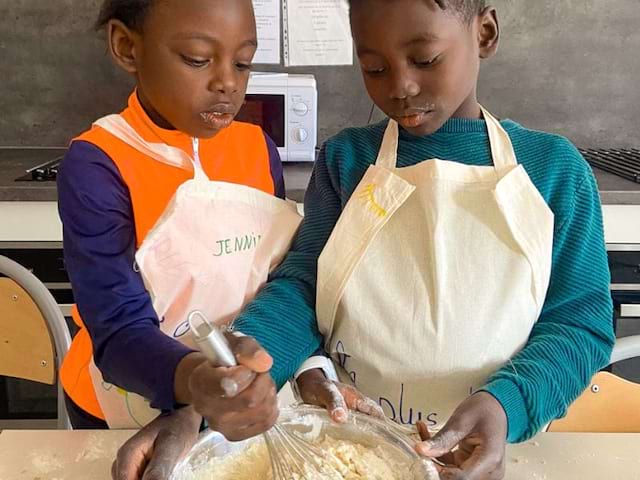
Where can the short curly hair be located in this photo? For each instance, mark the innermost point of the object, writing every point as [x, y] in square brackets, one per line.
[130, 12]
[466, 8]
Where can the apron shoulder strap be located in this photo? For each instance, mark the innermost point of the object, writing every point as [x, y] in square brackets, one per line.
[117, 126]
[388, 154]
[503, 155]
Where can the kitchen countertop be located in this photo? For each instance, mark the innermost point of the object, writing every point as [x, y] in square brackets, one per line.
[87, 455]
[13, 163]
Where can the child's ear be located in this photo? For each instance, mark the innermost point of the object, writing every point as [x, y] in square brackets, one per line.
[122, 45]
[488, 32]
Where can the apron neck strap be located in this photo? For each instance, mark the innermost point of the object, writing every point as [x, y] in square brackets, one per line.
[117, 126]
[388, 154]
[502, 153]
[198, 172]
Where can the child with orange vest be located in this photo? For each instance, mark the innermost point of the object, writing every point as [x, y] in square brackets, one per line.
[145, 197]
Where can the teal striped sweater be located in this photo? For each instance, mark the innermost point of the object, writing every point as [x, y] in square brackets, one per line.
[574, 335]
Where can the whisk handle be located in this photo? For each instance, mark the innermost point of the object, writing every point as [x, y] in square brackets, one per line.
[211, 341]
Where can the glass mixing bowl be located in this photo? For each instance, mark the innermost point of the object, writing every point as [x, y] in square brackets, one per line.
[314, 423]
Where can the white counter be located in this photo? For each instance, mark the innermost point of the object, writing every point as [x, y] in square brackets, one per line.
[39, 222]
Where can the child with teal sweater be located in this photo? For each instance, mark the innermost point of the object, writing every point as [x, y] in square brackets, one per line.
[452, 265]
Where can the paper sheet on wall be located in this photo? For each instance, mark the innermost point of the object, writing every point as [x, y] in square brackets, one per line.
[316, 32]
[268, 23]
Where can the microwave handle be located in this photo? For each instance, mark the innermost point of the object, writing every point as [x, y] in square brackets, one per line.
[624, 287]
[629, 310]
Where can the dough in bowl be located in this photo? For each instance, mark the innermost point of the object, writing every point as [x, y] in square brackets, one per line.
[345, 461]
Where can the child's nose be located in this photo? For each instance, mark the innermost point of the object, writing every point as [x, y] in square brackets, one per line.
[403, 86]
[224, 80]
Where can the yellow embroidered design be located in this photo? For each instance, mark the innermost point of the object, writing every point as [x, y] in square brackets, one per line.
[367, 195]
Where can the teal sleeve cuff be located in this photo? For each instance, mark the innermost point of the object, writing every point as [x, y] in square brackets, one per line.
[283, 370]
[511, 399]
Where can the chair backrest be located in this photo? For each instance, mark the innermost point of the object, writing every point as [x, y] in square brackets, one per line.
[26, 347]
[34, 336]
[610, 404]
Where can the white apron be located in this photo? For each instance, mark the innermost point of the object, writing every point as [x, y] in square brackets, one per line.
[434, 278]
[211, 250]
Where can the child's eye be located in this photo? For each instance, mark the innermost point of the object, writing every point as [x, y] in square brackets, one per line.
[243, 66]
[194, 62]
[427, 63]
[372, 70]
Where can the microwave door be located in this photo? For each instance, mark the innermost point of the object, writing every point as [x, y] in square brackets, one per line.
[269, 112]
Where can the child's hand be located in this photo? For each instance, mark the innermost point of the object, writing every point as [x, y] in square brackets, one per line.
[479, 428]
[316, 389]
[153, 452]
[239, 402]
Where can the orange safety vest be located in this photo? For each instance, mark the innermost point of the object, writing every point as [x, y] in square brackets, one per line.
[238, 154]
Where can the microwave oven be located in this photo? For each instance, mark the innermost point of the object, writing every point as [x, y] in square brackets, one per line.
[286, 107]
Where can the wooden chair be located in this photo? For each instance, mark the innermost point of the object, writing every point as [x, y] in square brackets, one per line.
[34, 336]
[610, 404]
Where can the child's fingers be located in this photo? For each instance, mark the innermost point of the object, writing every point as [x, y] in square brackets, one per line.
[217, 382]
[369, 407]
[168, 450]
[250, 354]
[423, 431]
[355, 400]
[249, 413]
[133, 456]
[444, 441]
[235, 380]
[316, 389]
[328, 396]
[425, 434]
[261, 391]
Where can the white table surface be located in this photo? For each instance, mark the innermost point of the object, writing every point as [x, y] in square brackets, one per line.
[87, 455]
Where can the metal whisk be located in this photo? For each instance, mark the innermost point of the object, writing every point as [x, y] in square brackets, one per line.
[292, 456]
